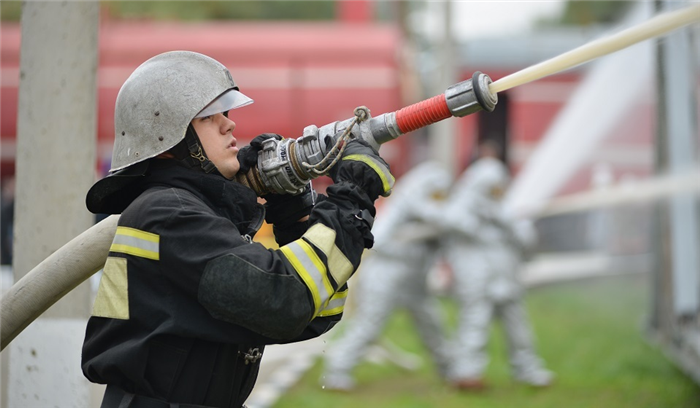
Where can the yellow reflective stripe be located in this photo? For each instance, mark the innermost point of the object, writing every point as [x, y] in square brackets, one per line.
[112, 298]
[386, 177]
[311, 270]
[308, 281]
[136, 242]
[336, 305]
[338, 264]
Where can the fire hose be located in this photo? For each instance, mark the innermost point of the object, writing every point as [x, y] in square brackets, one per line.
[287, 166]
[54, 277]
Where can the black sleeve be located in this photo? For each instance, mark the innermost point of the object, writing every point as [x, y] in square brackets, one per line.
[292, 292]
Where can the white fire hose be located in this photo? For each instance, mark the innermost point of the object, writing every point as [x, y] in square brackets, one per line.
[54, 277]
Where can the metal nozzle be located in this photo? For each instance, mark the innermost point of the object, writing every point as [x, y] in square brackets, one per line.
[471, 96]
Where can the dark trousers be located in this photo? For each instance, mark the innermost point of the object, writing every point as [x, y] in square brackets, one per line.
[115, 397]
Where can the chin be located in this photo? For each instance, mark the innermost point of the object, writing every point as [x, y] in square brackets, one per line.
[232, 173]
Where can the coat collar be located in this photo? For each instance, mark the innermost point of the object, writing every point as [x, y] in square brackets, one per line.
[227, 198]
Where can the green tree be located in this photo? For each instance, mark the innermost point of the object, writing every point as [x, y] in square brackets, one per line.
[203, 10]
[583, 13]
[10, 10]
[592, 12]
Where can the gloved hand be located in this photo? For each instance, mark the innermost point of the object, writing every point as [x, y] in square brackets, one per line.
[283, 210]
[248, 155]
[362, 166]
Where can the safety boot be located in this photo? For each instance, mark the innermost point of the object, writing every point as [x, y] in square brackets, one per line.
[469, 384]
[338, 382]
[537, 377]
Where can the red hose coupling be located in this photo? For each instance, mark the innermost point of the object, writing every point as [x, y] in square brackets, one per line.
[422, 114]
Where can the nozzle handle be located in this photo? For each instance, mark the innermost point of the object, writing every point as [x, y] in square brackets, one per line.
[422, 114]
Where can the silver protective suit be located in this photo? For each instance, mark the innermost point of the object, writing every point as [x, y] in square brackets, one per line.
[393, 275]
[484, 247]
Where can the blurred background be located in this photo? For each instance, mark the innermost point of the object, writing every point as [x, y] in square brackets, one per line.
[604, 157]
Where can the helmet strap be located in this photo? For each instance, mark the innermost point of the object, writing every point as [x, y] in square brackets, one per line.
[197, 156]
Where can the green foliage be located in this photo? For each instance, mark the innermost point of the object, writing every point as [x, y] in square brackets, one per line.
[10, 10]
[222, 10]
[203, 10]
[588, 332]
[594, 12]
[590, 12]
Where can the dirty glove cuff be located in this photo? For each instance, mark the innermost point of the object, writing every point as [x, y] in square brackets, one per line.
[357, 210]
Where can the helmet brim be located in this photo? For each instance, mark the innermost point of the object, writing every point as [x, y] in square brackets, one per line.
[114, 193]
[228, 100]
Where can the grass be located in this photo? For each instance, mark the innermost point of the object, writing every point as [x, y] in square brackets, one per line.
[589, 332]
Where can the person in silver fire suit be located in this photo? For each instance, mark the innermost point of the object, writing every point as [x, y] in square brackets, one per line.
[187, 302]
[484, 247]
[394, 275]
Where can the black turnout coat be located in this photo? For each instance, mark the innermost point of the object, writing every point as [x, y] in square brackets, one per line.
[187, 301]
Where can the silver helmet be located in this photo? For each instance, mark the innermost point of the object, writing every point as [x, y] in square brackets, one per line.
[161, 97]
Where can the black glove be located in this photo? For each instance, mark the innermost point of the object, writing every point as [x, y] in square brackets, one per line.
[362, 166]
[283, 210]
[248, 155]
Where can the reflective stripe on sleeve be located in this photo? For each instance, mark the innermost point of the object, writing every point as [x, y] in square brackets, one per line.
[379, 168]
[338, 264]
[136, 242]
[311, 270]
[112, 298]
[336, 304]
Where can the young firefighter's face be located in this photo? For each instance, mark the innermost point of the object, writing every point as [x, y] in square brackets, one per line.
[216, 135]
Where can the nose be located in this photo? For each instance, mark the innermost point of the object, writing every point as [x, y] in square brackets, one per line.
[227, 125]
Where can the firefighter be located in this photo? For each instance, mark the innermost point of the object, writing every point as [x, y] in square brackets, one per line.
[394, 275]
[187, 302]
[484, 247]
